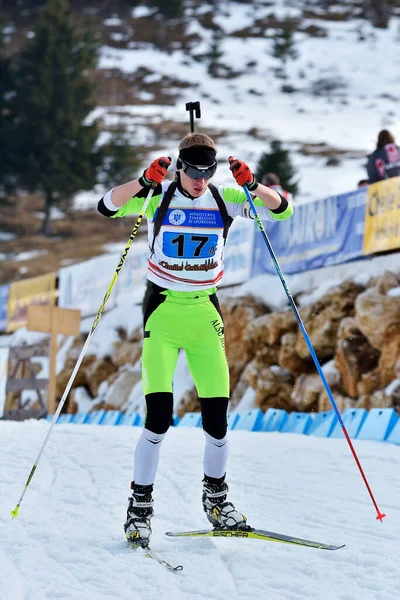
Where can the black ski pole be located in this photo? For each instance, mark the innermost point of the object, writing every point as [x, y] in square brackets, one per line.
[194, 109]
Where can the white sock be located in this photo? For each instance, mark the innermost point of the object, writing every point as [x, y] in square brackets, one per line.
[147, 453]
[215, 456]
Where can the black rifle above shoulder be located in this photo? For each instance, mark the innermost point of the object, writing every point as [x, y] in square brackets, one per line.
[193, 107]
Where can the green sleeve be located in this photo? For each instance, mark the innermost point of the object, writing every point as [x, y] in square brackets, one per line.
[235, 196]
[135, 205]
[283, 215]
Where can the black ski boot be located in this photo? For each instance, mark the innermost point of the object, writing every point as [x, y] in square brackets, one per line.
[140, 510]
[220, 513]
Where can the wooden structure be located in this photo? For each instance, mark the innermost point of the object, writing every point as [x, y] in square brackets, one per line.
[21, 376]
[53, 320]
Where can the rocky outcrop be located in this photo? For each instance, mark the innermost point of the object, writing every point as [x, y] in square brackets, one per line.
[308, 389]
[238, 314]
[288, 357]
[389, 361]
[374, 313]
[355, 331]
[322, 319]
[354, 357]
[273, 386]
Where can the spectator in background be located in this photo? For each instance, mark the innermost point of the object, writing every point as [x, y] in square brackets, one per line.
[384, 162]
[272, 181]
[363, 183]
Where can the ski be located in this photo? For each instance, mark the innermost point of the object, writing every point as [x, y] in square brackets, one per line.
[251, 533]
[150, 553]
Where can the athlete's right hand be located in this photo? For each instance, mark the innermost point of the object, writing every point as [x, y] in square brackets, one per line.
[156, 172]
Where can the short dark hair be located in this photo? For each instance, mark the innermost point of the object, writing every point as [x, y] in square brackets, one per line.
[384, 137]
[270, 179]
[362, 182]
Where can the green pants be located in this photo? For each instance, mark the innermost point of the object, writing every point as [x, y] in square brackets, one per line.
[188, 320]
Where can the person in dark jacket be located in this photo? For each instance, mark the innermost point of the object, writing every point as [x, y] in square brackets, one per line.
[272, 181]
[384, 162]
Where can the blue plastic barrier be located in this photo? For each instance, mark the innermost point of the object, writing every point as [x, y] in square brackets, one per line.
[130, 419]
[323, 424]
[353, 418]
[65, 418]
[250, 420]
[80, 418]
[297, 422]
[96, 417]
[378, 425]
[191, 419]
[232, 420]
[274, 419]
[394, 437]
[112, 417]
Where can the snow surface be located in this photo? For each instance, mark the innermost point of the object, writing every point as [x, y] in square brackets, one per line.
[29, 255]
[314, 284]
[249, 110]
[68, 541]
[394, 292]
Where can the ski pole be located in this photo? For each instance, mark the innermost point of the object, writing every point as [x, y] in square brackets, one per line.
[14, 513]
[380, 515]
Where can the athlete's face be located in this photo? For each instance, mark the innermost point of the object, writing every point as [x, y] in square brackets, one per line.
[194, 187]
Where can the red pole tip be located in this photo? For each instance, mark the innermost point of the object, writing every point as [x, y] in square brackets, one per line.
[380, 517]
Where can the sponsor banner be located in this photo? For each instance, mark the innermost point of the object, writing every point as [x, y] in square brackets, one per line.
[131, 281]
[84, 285]
[321, 233]
[382, 216]
[37, 290]
[3, 377]
[239, 252]
[4, 293]
[187, 217]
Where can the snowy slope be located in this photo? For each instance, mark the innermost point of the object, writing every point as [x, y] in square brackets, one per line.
[249, 110]
[67, 543]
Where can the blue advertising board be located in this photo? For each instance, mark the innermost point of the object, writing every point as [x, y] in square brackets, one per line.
[4, 293]
[319, 234]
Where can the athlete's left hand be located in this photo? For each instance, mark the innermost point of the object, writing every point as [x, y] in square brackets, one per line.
[242, 173]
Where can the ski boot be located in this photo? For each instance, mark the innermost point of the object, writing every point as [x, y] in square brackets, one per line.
[220, 513]
[140, 510]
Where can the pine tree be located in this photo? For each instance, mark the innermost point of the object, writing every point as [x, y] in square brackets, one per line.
[170, 9]
[378, 12]
[119, 161]
[53, 99]
[277, 161]
[215, 53]
[8, 156]
[283, 44]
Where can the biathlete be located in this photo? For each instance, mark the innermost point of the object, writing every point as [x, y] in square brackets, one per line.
[188, 222]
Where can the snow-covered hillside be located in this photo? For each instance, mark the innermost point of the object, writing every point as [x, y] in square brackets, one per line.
[344, 81]
[68, 541]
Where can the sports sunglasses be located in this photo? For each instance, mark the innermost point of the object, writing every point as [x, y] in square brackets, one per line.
[199, 172]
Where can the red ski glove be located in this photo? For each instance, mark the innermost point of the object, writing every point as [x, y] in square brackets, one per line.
[242, 174]
[156, 172]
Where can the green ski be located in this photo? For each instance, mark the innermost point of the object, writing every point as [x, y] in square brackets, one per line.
[251, 533]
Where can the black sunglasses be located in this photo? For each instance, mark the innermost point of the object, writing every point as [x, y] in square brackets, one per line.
[199, 172]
